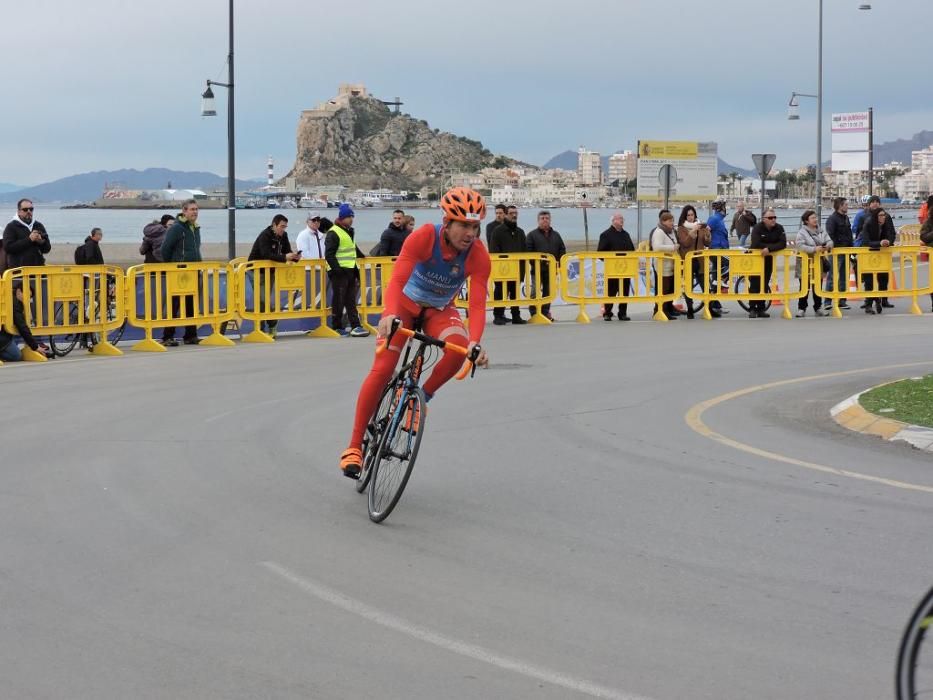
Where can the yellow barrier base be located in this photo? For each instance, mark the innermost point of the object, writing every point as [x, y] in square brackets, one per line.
[660, 315]
[539, 319]
[582, 317]
[30, 355]
[217, 340]
[258, 336]
[106, 349]
[323, 331]
[915, 307]
[148, 345]
[787, 314]
[368, 326]
[707, 314]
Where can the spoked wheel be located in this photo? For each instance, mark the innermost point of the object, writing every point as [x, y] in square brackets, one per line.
[396, 454]
[374, 431]
[61, 345]
[915, 658]
[741, 286]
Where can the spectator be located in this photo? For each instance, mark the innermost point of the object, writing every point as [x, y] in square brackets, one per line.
[616, 238]
[742, 222]
[182, 243]
[839, 229]
[692, 236]
[508, 237]
[769, 237]
[25, 240]
[341, 254]
[861, 215]
[271, 244]
[924, 214]
[874, 204]
[89, 253]
[310, 240]
[153, 235]
[494, 224]
[811, 241]
[663, 239]
[390, 243]
[545, 239]
[9, 350]
[877, 233]
[926, 232]
[718, 264]
[409, 223]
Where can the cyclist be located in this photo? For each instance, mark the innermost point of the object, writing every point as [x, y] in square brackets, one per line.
[428, 274]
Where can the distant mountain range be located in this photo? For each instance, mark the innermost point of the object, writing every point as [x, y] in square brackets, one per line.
[89, 186]
[568, 161]
[9, 187]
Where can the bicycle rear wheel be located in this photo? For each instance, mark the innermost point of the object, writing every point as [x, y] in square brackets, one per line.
[374, 431]
[61, 345]
[395, 456]
[915, 658]
[740, 287]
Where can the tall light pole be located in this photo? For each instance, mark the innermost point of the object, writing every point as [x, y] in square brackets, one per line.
[208, 110]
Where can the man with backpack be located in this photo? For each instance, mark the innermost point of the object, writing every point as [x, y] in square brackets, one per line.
[89, 253]
[153, 235]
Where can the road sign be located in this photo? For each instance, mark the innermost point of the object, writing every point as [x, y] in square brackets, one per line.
[764, 162]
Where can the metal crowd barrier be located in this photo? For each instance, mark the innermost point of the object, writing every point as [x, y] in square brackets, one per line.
[719, 268]
[519, 279]
[159, 295]
[273, 291]
[585, 279]
[374, 280]
[908, 235]
[69, 299]
[864, 271]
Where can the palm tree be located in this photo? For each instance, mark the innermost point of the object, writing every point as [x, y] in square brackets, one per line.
[732, 176]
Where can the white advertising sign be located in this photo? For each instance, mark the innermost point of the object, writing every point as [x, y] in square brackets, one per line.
[850, 131]
[848, 162]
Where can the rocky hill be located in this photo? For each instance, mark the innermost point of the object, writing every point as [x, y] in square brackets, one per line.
[361, 143]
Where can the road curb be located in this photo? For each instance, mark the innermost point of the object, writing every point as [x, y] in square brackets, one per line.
[850, 414]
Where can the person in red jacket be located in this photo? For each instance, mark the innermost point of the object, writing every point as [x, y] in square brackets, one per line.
[433, 264]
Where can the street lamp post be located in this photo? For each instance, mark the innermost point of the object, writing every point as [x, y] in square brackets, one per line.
[208, 110]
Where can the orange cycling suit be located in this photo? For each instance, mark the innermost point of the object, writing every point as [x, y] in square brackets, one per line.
[426, 249]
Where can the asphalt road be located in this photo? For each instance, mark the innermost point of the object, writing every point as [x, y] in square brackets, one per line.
[175, 526]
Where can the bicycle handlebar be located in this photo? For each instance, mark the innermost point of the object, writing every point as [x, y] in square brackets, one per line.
[469, 367]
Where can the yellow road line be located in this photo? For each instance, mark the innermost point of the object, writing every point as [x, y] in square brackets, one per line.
[694, 419]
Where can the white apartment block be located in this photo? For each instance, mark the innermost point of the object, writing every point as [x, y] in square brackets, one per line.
[914, 185]
[589, 167]
[922, 160]
[622, 166]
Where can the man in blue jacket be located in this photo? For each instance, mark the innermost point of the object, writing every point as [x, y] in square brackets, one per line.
[719, 240]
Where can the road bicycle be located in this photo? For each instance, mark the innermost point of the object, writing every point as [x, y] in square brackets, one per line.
[914, 677]
[393, 435]
[61, 345]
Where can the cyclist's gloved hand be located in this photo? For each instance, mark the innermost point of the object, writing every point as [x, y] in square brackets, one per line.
[483, 359]
[385, 326]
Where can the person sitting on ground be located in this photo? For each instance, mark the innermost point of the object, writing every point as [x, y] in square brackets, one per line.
[664, 239]
[811, 241]
[616, 238]
[153, 235]
[769, 237]
[9, 350]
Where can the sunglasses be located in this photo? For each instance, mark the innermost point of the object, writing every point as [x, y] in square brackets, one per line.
[28, 209]
[770, 217]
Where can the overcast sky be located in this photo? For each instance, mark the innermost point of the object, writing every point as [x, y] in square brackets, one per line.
[108, 84]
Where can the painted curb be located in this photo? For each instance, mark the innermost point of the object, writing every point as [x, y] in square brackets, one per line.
[851, 415]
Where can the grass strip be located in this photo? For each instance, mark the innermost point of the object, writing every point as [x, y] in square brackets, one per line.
[909, 400]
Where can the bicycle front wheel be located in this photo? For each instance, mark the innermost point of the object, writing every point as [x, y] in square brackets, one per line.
[374, 430]
[915, 659]
[396, 454]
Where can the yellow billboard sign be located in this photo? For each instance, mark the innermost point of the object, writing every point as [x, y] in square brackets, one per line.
[679, 150]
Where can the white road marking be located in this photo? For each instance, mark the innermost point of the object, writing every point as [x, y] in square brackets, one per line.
[472, 651]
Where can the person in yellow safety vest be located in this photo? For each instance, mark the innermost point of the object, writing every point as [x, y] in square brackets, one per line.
[341, 253]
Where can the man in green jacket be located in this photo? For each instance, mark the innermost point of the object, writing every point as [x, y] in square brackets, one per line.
[183, 244]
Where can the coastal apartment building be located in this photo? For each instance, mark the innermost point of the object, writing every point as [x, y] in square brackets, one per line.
[623, 167]
[589, 167]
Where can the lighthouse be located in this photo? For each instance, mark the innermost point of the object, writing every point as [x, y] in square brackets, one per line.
[269, 173]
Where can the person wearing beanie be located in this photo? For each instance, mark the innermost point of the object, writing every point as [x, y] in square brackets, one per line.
[341, 254]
